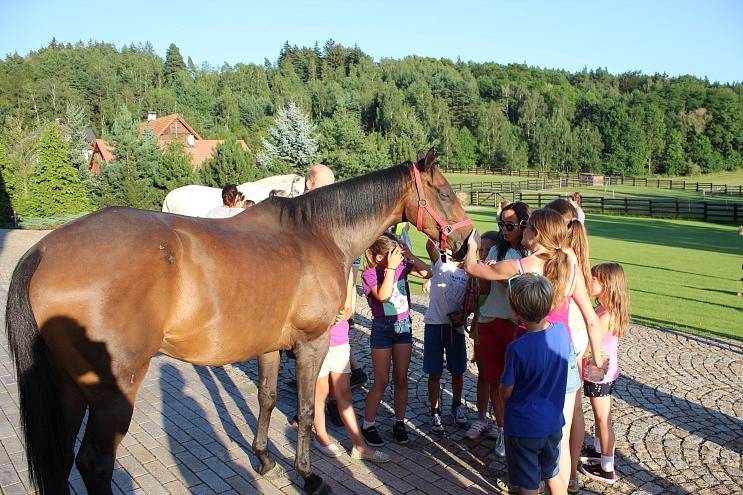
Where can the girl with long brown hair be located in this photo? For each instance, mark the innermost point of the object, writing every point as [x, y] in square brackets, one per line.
[546, 234]
[609, 286]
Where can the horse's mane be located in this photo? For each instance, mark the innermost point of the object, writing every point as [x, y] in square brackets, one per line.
[346, 202]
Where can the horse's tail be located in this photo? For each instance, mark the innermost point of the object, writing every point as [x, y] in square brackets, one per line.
[41, 412]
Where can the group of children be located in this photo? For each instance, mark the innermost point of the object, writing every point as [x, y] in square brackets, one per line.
[538, 341]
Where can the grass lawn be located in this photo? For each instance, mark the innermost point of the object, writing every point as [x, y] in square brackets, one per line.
[641, 192]
[456, 178]
[734, 178]
[683, 275]
[620, 191]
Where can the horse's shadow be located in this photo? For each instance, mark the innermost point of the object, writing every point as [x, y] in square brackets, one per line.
[207, 457]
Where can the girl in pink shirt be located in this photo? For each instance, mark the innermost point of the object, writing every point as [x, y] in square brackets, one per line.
[609, 286]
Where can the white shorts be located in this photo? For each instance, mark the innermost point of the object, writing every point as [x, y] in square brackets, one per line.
[577, 329]
[337, 360]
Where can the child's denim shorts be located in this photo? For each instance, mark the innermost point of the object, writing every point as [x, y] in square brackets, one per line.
[386, 333]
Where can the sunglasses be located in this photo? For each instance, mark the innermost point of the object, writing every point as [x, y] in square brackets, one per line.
[510, 226]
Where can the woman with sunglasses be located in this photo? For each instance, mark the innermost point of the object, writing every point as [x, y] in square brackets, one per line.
[546, 234]
[496, 323]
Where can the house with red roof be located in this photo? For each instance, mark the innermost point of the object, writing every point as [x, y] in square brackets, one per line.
[170, 128]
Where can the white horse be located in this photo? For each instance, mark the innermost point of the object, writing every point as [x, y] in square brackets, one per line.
[196, 201]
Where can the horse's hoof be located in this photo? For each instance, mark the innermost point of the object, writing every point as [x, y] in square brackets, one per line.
[314, 485]
[267, 466]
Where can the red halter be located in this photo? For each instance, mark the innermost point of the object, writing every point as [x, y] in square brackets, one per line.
[444, 229]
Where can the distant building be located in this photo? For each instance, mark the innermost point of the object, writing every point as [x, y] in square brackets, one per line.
[168, 129]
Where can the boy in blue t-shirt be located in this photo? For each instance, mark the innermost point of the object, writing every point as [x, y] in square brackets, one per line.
[533, 388]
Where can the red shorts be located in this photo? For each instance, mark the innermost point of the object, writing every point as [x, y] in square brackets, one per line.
[494, 337]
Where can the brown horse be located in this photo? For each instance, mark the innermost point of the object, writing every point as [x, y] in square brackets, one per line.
[94, 301]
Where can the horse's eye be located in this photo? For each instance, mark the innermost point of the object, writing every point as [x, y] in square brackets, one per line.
[444, 195]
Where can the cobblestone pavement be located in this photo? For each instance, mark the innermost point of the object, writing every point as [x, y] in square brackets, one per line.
[678, 420]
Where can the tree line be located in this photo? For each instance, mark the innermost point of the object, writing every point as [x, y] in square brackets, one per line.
[337, 105]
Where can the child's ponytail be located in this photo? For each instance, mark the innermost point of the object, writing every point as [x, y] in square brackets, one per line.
[578, 242]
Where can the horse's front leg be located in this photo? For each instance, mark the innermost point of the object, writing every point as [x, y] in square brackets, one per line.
[268, 373]
[310, 356]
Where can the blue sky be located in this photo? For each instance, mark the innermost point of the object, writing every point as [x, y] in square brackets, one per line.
[703, 37]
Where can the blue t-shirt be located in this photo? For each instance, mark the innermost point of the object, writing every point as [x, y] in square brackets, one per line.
[537, 368]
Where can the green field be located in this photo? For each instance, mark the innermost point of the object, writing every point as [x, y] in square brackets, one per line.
[640, 192]
[734, 178]
[683, 275]
[620, 191]
[731, 178]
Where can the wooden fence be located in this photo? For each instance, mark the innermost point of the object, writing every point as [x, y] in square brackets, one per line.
[573, 181]
[706, 211]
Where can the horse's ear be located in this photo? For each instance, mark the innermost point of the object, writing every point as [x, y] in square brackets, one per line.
[428, 161]
[421, 156]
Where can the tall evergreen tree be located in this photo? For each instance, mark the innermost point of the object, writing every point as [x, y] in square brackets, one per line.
[56, 187]
[128, 180]
[291, 140]
[173, 62]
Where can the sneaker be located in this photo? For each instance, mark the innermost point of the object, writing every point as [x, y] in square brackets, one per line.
[589, 454]
[493, 431]
[477, 429]
[460, 414]
[378, 456]
[573, 486]
[331, 450]
[333, 413]
[372, 437]
[500, 445]
[595, 472]
[358, 378]
[436, 425]
[400, 433]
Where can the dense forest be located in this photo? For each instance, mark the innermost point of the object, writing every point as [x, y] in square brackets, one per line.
[357, 114]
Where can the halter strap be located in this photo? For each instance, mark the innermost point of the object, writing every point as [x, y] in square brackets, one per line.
[444, 228]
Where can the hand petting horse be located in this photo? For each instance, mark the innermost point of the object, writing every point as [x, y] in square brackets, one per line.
[94, 301]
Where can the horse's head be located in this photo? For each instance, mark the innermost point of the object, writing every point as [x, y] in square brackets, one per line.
[435, 208]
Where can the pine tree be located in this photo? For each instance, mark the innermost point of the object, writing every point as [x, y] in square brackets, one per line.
[173, 62]
[56, 188]
[229, 164]
[291, 140]
[128, 181]
[175, 170]
[76, 122]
